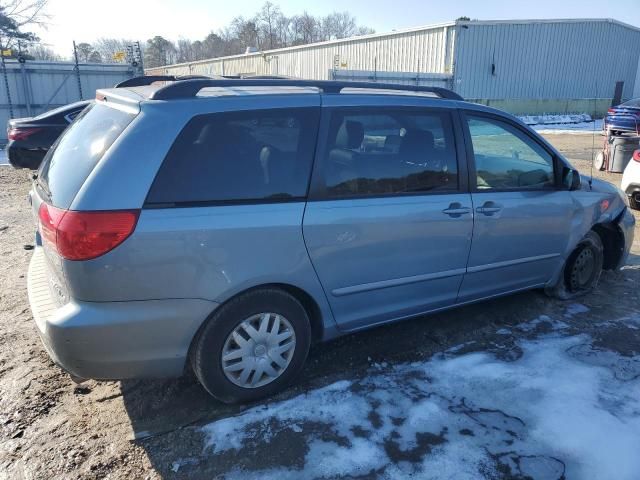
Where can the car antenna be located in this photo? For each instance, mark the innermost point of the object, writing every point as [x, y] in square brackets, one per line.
[593, 137]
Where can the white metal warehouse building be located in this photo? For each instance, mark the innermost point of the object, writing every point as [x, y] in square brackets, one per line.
[522, 66]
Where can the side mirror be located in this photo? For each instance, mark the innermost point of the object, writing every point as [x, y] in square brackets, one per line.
[571, 178]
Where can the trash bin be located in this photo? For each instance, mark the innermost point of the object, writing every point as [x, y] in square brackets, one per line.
[620, 152]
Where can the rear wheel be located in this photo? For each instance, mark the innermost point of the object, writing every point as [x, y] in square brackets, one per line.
[582, 269]
[253, 346]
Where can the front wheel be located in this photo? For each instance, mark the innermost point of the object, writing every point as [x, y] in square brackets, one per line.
[582, 269]
[252, 346]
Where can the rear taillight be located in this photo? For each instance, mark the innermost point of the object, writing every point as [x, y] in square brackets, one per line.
[85, 235]
[636, 155]
[21, 133]
[611, 110]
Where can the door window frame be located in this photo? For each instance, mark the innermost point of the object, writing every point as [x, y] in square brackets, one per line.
[557, 163]
[317, 189]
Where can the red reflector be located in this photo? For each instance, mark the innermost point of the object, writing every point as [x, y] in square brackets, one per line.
[636, 155]
[21, 133]
[611, 110]
[604, 205]
[85, 235]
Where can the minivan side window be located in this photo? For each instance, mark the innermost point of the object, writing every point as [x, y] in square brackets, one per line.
[389, 151]
[258, 155]
[506, 158]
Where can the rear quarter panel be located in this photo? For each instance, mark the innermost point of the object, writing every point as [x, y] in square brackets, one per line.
[205, 252]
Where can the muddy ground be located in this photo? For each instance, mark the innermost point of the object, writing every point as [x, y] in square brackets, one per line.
[52, 428]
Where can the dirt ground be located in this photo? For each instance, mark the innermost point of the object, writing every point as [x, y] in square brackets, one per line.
[52, 428]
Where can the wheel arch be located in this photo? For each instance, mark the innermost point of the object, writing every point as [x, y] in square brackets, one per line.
[310, 305]
[612, 242]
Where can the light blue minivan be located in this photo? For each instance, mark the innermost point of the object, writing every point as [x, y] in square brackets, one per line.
[225, 225]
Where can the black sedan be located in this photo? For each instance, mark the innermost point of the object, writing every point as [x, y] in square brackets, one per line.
[30, 138]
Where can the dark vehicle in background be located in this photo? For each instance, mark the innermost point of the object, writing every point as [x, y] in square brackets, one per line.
[625, 118]
[30, 138]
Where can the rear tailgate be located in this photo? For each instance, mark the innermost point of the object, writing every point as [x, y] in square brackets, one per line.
[65, 169]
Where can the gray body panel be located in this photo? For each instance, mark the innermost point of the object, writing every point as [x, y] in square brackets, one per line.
[135, 310]
[520, 245]
[386, 258]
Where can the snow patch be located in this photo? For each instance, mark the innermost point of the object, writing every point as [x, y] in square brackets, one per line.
[563, 408]
[574, 124]
[575, 309]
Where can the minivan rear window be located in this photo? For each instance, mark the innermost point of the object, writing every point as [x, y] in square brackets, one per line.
[78, 150]
[249, 156]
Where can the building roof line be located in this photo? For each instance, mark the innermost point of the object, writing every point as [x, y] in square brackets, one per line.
[315, 44]
[549, 20]
[394, 33]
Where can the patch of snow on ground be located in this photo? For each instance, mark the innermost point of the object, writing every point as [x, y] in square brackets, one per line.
[532, 325]
[563, 408]
[581, 123]
[575, 309]
[586, 128]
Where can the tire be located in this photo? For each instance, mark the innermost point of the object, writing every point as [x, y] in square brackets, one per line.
[582, 269]
[598, 163]
[633, 203]
[285, 314]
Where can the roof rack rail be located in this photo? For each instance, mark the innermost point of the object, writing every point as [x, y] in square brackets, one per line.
[190, 88]
[144, 80]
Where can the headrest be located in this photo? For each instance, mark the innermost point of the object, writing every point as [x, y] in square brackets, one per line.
[350, 135]
[416, 141]
[207, 135]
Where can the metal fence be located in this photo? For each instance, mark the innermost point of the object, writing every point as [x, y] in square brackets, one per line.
[34, 87]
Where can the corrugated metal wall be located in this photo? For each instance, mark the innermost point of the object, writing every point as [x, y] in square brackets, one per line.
[443, 80]
[427, 50]
[36, 86]
[545, 60]
[522, 66]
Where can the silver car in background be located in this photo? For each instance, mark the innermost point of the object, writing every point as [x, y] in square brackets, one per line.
[225, 225]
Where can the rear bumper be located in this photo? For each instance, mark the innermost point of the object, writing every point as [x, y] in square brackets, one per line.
[114, 340]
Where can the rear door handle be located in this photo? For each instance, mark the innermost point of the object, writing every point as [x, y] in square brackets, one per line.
[489, 208]
[455, 210]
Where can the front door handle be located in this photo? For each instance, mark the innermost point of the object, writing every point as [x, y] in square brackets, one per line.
[489, 208]
[456, 209]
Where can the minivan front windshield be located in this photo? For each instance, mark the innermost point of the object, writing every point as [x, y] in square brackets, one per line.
[76, 153]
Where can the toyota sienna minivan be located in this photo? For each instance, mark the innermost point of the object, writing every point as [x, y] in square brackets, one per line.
[226, 225]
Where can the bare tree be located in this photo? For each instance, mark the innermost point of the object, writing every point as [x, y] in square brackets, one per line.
[267, 22]
[339, 25]
[108, 47]
[159, 51]
[41, 52]
[245, 33]
[269, 28]
[84, 51]
[16, 16]
[95, 57]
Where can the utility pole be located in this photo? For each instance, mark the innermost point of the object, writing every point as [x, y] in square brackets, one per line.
[77, 69]
[138, 55]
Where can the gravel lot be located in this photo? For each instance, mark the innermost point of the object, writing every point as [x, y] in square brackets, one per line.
[52, 428]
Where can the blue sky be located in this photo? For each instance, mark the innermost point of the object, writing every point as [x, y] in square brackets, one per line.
[86, 20]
